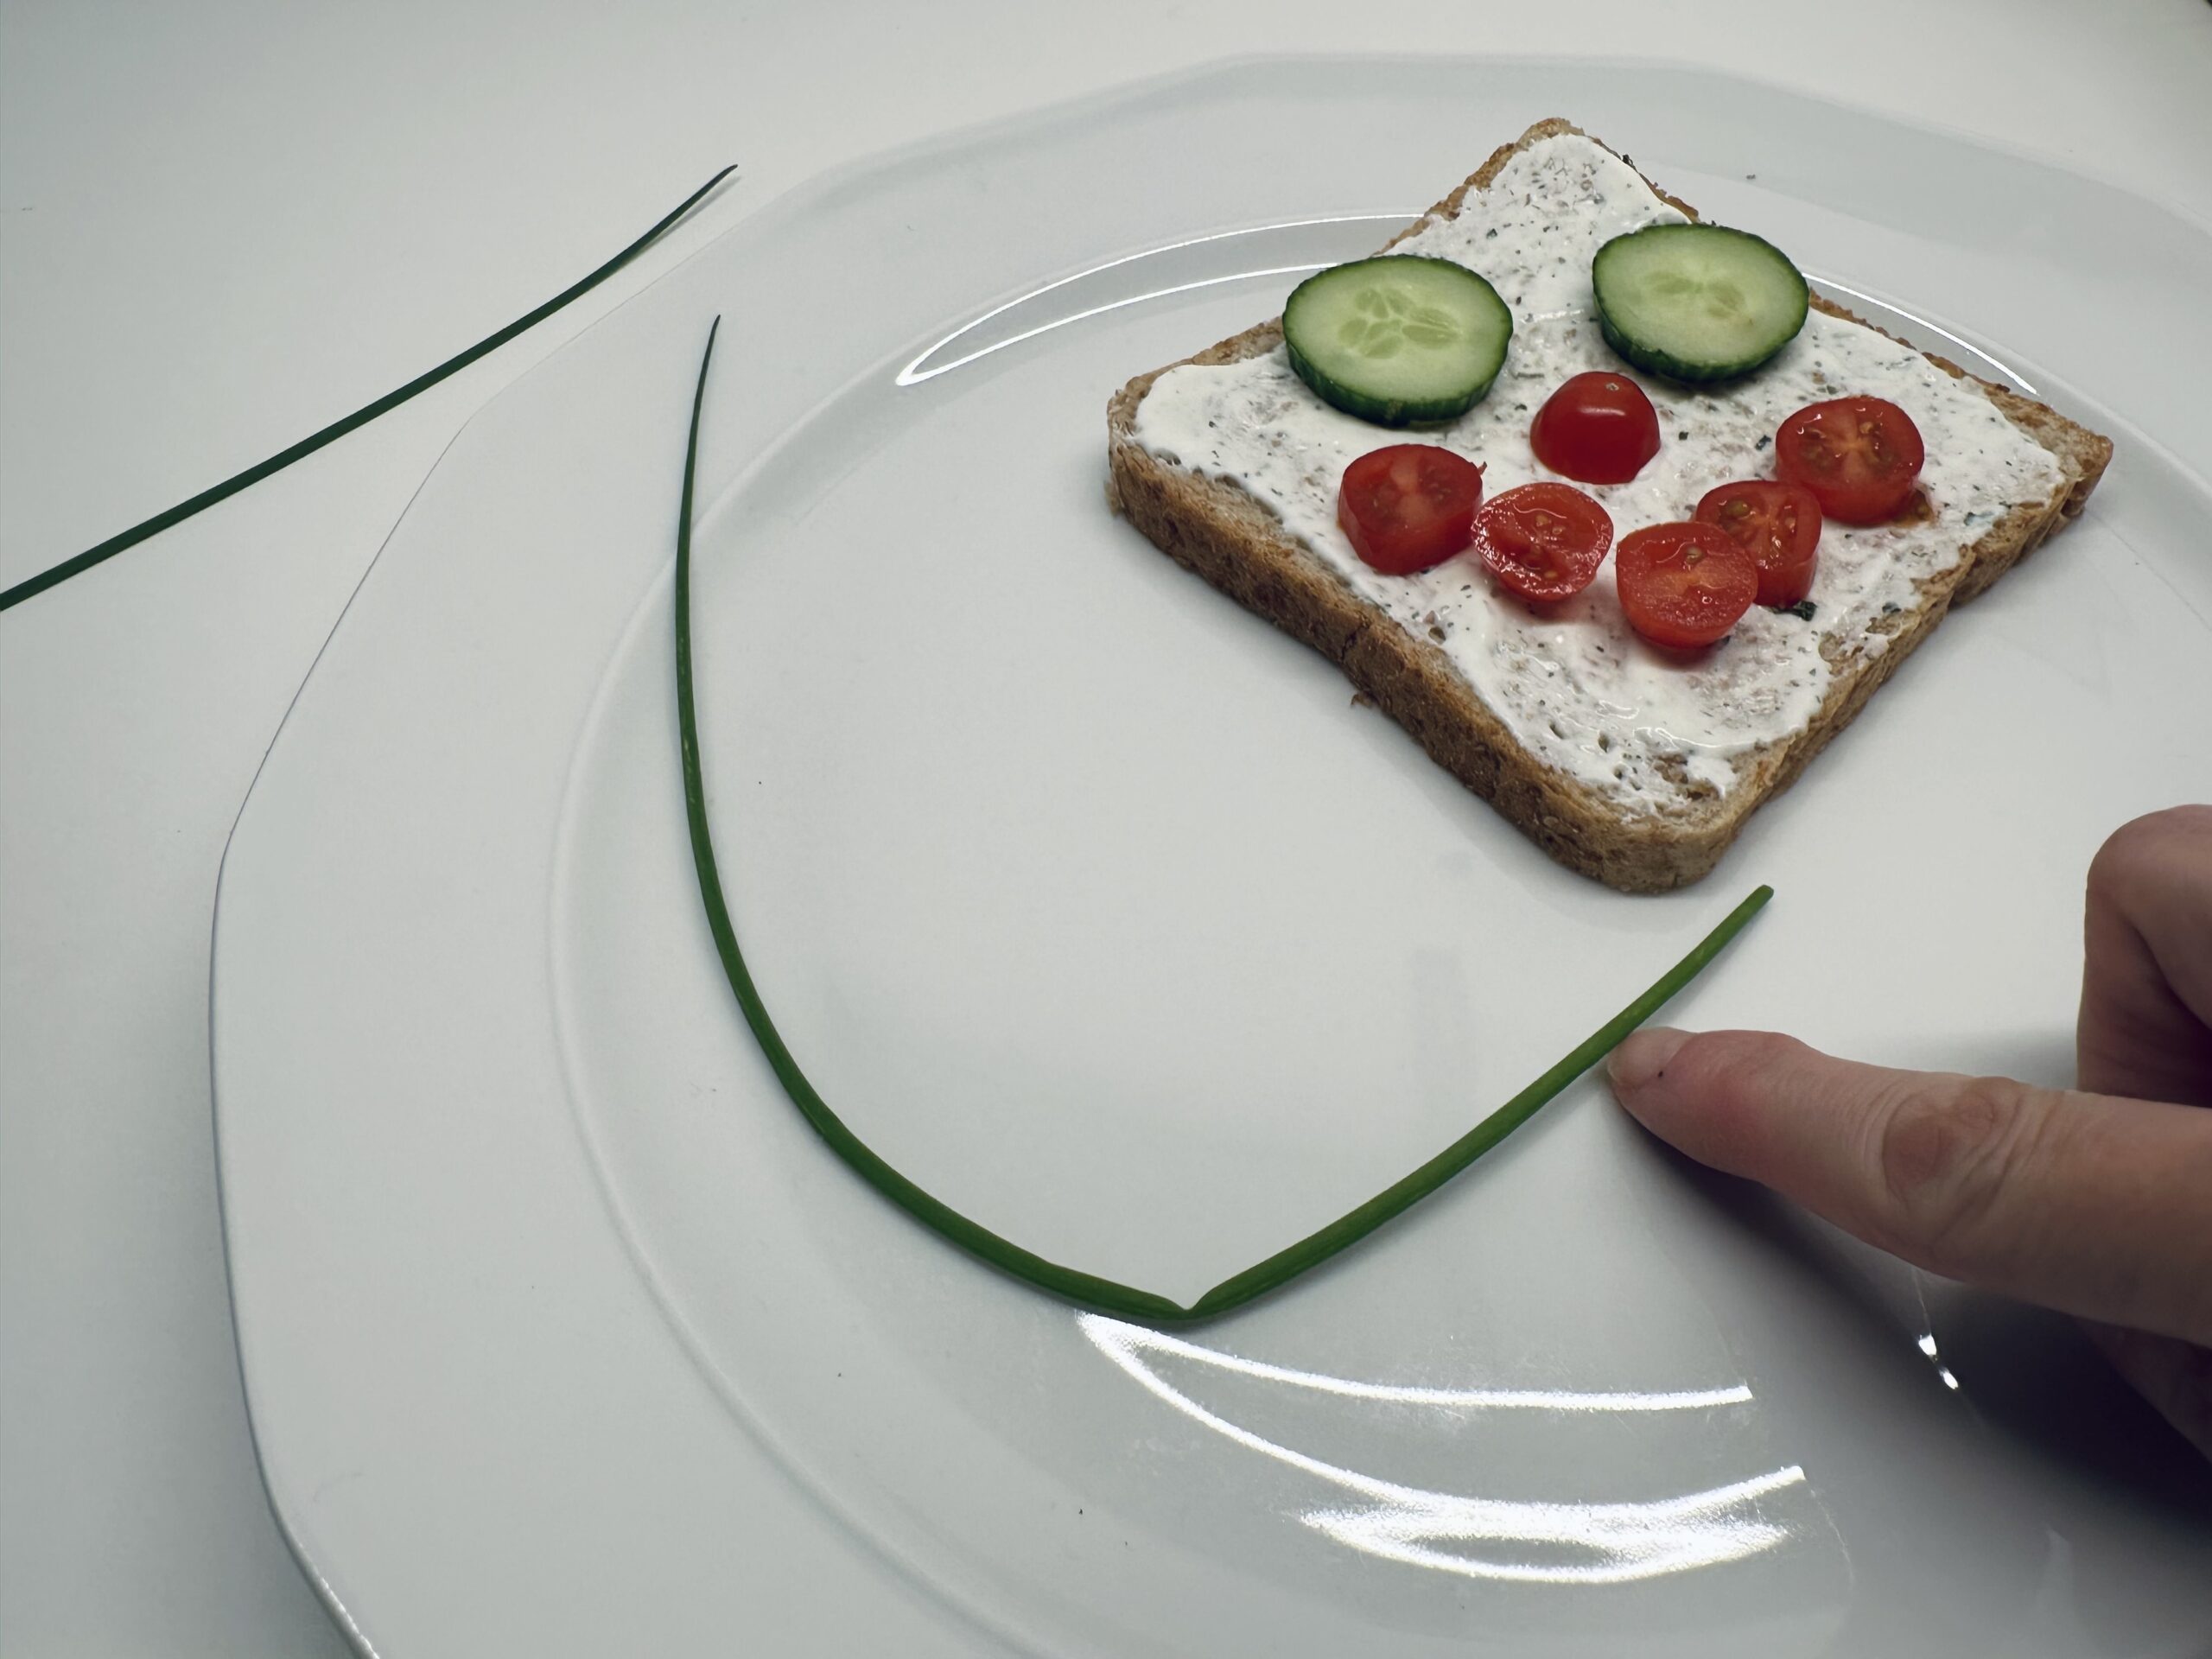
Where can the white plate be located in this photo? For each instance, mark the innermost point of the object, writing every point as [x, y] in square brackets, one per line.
[1098, 907]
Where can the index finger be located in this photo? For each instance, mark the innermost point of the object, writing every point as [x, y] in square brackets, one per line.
[2091, 1204]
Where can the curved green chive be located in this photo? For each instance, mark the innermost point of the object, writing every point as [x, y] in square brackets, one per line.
[1070, 1284]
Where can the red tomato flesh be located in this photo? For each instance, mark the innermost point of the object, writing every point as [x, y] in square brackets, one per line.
[1408, 506]
[1683, 585]
[1860, 456]
[1598, 428]
[1778, 524]
[1544, 541]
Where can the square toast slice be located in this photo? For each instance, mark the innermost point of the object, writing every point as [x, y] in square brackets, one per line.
[1490, 688]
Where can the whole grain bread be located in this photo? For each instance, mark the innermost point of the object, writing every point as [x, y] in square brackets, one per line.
[1217, 530]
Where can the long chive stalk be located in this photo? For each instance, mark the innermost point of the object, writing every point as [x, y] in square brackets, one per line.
[1070, 1284]
[33, 585]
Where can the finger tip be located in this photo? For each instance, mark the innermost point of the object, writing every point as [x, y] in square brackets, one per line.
[1641, 1060]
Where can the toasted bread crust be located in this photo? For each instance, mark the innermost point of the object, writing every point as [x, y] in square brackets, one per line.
[1214, 528]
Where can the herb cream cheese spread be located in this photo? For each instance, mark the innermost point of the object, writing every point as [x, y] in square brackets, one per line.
[1574, 684]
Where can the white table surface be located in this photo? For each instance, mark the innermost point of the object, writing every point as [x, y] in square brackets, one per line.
[221, 226]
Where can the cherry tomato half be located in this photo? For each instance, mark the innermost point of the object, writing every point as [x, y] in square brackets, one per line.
[1778, 524]
[1859, 457]
[1544, 541]
[1683, 585]
[1407, 505]
[1598, 428]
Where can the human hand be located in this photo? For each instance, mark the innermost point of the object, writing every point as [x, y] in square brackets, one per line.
[2096, 1200]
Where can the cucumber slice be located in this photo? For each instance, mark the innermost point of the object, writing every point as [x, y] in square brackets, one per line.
[1697, 302]
[1397, 338]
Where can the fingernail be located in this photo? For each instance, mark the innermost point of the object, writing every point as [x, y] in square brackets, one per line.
[1642, 1055]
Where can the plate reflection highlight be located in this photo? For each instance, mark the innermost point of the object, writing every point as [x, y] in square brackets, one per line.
[1593, 1542]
